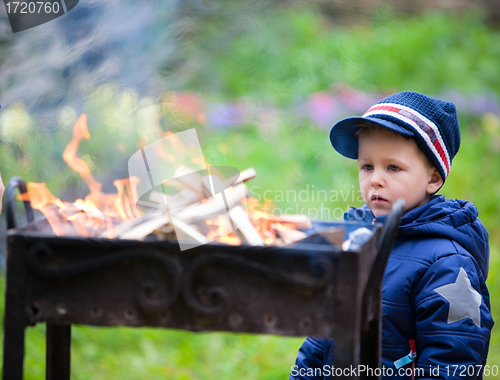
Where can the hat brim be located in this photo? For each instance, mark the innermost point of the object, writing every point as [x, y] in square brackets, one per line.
[343, 133]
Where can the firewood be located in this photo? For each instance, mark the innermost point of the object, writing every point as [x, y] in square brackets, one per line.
[288, 235]
[212, 185]
[158, 207]
[245, 226]
[214, 206]
[287, 221]
[187, 177]
[182, 227]
[142, 230]
[244, 176]
[123, 227]
[299, 221]
[181, 199]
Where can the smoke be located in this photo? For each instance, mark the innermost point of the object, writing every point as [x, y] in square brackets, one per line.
[59, 63]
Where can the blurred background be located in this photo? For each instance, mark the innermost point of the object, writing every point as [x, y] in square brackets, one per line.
[262, 82]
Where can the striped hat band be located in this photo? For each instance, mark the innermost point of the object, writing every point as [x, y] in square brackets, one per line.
[418, 123]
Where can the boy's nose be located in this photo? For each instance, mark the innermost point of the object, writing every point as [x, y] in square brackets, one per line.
[377, 179]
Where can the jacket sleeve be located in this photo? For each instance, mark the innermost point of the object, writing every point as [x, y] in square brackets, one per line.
[311, 359]
[453, 320]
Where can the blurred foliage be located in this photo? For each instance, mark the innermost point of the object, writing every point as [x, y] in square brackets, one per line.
[275, 58]
[287, 53]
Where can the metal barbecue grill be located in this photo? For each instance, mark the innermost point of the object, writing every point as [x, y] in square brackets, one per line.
[62, 281]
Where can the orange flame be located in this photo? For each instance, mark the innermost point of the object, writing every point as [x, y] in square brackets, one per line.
[80, 131]
[98, 212]
[222, 232]
[262, 220]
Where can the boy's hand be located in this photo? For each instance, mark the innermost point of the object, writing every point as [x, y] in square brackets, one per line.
[1, 192]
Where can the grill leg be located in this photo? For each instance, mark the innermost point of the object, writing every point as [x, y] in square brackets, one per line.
[371, 347]
[15, 321]
[347, 317]
[58, 352]
[13, 347]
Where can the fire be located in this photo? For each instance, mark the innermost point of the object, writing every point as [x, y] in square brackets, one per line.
[263, 224]
[223, 230]
[80, 131]
[84, 217]
[98, 212]
[115, 215]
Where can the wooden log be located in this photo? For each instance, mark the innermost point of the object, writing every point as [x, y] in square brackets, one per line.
[142, 230]
[214, 206]
[289, 221]
[299, 221]
[288, 235]
[245, 226]
[212, 185]
[244, 176]
[123, 227]
[188, 177]
[182, 227]
[181, 199]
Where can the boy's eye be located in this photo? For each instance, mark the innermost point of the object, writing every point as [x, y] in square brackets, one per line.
[368, 167]
[393, 168]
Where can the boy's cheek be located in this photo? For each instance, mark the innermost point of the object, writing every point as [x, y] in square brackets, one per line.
[363, 194]
[363, 186]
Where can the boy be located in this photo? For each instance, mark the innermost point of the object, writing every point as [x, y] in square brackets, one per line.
[435, 304]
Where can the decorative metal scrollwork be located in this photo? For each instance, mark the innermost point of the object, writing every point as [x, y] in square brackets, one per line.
[40, 254]
[209, 301]
[321, 265]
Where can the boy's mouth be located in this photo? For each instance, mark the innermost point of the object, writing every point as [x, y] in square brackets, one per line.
[377, 198]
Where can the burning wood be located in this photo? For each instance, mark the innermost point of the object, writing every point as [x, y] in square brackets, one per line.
[288, 235]
[245, 226]
[126, 226]
[215, 205]
[192, 205]
[188, 179]
[181, 199]
[244, 176]
[190, 231]
[143, 229]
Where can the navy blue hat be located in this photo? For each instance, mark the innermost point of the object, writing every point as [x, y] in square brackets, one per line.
[433, 123]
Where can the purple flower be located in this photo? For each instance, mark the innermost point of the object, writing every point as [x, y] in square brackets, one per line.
[321, 107]
[225, 115]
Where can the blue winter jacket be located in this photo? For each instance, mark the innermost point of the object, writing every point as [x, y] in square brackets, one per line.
[433, 292]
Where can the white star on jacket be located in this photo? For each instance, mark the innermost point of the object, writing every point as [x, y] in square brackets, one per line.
[463, 298]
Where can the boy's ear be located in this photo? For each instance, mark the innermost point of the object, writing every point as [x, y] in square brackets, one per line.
[435, 183]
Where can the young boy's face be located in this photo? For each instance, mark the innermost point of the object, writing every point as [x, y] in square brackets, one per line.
[392, 167]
